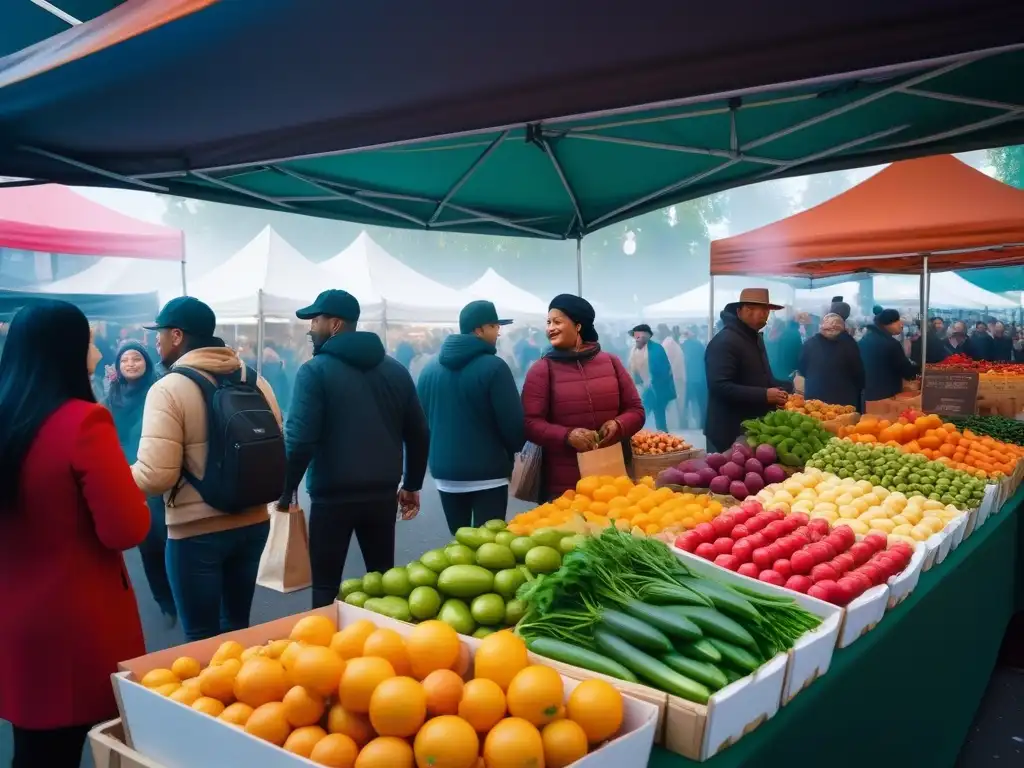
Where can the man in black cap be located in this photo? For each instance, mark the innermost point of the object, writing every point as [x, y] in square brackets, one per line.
[476, 419]
[353, 409]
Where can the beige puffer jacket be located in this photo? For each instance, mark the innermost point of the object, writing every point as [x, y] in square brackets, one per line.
[174, 432]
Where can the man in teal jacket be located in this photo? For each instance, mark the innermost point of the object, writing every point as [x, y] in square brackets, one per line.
[476, 419]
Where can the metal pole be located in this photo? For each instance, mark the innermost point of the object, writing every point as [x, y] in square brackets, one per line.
[711, 307]
[184, 284]
[579, 265]
[259, 332]
[926, 282]
[387, 343]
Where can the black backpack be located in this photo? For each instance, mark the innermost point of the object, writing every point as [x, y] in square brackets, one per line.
[245, 459]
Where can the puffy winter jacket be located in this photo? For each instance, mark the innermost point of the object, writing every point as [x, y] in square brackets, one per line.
[567, 390]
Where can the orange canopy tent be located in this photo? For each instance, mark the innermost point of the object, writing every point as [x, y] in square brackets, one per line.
[936, 206]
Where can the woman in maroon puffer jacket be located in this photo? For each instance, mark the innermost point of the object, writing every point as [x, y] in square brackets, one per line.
[576, 398]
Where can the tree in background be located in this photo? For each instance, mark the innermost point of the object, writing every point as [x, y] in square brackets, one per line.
[1009, 164]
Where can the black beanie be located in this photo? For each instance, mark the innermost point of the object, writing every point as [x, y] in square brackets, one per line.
[876, 309]
[887, 317]
[840, 307]
[579, 310]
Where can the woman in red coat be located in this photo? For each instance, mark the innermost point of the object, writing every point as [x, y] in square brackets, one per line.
[576, 398]
[68, 507]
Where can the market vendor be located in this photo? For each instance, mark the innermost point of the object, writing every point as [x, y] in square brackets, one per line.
[740, 381]
[886, 366]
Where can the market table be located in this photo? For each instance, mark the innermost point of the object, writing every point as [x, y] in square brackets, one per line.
[907, 692]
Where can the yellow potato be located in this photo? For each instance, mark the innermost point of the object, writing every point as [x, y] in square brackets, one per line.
[931, 504]
[859, 527]
[880, 492]
[848, 512]
[871, 498]
[934, 523]
[901, 520]
[882, 524]
[913, 516]
[920, 532]
[902, 530]
[873, 514]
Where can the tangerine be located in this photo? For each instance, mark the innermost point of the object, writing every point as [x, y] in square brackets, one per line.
[398, 707]
[302, 707]
[336, 750]
[252, 652]
[446, 742]
[564, 743]
[218, 682]
[482, 704]
[268, 722]
[359, 680]
[185, 694]
[348, 641]
[444, 692]
[536, 695]
[389, 645]
[276, 647]
[314, 630]
[356, 727]
[261, 680]
[301, 741]
[385, 752]
[432, 645]
[157, 678]
[514, 743]
[186, 668]
[597, 707]
[236, 714]
[318, 668]
[208, 706]
[499, 658]
[229, 649]
[166, 689]
[287, 657]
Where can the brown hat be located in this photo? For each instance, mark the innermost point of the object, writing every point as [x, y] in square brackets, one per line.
[757, 296]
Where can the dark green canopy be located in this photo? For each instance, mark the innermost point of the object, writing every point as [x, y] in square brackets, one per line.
[24, 22]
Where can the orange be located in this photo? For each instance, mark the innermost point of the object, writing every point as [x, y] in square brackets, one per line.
[482, 704]
[564, 743]
[513, 743]
[318, 668]
[186, 695]
[389, 645]
[186, 668]
[432, 645]
[236, 714]
[535, 695]
[301, 707]
[276, 647]
[301, 741]
[444, 691]
[167, 689]
[208, 706]
[359, 680]
[219, 682]
[261, 680]
[157, 678]
[385, 752]
[269, 723]
[335, 750]
[314, 630]
[287, 657]
[499, 658]
[398, 707]
[229, 649]
[588, 485]
[348, 642]
[446, 742]
[356, 727]
[248, 653]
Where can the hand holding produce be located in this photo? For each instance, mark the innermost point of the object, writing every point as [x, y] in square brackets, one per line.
[647, 443]
[794, 436]
[817, 409]
[777, 396]
[738, 472]
[583, 440]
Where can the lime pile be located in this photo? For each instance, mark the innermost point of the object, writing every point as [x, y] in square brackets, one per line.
[470, 584]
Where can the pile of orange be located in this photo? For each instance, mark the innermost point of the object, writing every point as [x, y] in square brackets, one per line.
[939, 441]
[605, 500]
[365, 697]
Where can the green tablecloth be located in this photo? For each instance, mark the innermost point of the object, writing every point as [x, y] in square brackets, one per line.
[907, 692]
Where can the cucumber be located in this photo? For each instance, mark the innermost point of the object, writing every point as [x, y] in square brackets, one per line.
[579, 657]
[732, 675]
[714, 624]
[700, 650]
[673, 594]
[740, 658]
[725, 599]
[701, 671]
[635, 632]
[649, 669]
[672, 624]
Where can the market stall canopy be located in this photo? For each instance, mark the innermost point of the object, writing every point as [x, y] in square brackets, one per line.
[491, 118]
[375, 277]
[939, 205]
[693, 304]
[948, 291]
[51, 218]
[511, 300]
[114, 276]
[26, 22]
[121, 308]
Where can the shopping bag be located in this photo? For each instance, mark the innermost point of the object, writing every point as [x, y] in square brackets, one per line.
[526, 470]
[603, 461]
[284, 565]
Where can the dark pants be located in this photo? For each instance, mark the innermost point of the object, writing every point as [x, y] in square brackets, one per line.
[474, 508]
[330, 532]
[154, 562]
[52, 748]
[213, 578]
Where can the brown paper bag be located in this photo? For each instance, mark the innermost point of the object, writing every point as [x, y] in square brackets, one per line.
[284, 565]
[603, 461]
[526, 471]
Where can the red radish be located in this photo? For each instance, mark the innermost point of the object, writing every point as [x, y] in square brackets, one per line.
[755, 524]
[751, 507]
[878, 541]
[853, 585]
[862, 578]
[843, 591]
[889, 566]
[814, 536]
[822, 572]
[820, 525]
[802, 518]
[749, 569]
[739, 531]
[771, 577]
[775, 551]
[743, 550]
[775, 529]
[783, 568]
[873, 572]
[706, 532]
[792, 524]
[762, 558]
[861, 552]
[729, 562]
[847, 533]
[723, 545]
[819, 551]
[758, 540]
[802, 561]
[829, 549]
[706, 550]
[722, 525]
[776, 514]
[799, 583]
[823, 590]
[843, 562]
[690, 540]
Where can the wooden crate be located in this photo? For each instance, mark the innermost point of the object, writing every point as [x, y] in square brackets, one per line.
[109, 750]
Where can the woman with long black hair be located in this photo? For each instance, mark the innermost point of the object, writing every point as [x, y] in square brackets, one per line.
[134, 374]
[68, 508]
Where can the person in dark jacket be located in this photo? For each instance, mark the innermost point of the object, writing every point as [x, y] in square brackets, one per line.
[740, 381]
[652, 374]
[475, 416]
[886, 367]
[784, 349]
[134, 374]
[696, 377]
[956, 341]
[980, 347]
[354, 414]
[831, 366]
[936, 351]
[1002, 345]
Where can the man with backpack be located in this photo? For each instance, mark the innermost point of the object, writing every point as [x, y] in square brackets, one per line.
[354, 414]
[212, 445]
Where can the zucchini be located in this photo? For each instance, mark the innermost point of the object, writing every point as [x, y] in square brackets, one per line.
[634, 631]
[664, 593]
[672, 624]
[579, 657]
[715, 624]
[725, 599]
[649, 669]
[701, 671]
[738, 657]
[700, 650]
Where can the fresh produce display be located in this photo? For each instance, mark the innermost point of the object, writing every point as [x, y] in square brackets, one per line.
[796, 552]
[647, 443]
[1001, 428]
[817, 409]
[371, 698]
[627, 607]
[738, 472]
[910, 474]
[963, 362]
[928, 435]
[469, 584]
[864, 507]
[793, 435]
[598, 502]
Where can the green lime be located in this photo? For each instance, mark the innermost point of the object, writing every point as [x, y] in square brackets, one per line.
[495, 557]
[348, 586]
[495, 525]
[482, 632]
[436, 560]
[520, 546]
[420, 575]
[356, 598]
[569, 543]
[488, 609]
[456, 615]
[424, 603]
[514, 612]
[459, 554]
[504, 538]
[548, 537]
[507, 581]
[396, 582]
[543, 560]
[373, 584]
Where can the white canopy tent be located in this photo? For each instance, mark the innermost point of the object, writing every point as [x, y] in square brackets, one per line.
[512, 301]
[112, 275]
[947, 291]
[695, 303]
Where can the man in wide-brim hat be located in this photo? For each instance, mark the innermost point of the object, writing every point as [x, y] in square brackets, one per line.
[740, 381]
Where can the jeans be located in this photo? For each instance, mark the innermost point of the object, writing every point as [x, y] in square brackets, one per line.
[52, 748]
[330, 531]
[213, 578]
[153, 553]
[474, 508]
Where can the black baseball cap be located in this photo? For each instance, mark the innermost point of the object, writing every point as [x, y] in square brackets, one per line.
[642, 328]
[477, 314]
[189, 315]
[333, 303]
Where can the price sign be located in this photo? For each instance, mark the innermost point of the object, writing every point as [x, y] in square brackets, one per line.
[950, 393]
